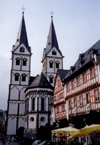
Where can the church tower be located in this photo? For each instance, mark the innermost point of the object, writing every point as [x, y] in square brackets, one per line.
[19, 79]
[52, 58]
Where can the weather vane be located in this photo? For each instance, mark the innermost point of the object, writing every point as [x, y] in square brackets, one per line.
[23, 8]
[52, 13]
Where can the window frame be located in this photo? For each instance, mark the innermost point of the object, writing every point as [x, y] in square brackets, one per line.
[70, 104]
[88, 98]
[50, 64]
[84, 77]
[17, 61]
[25, 61]
[81, 100]
[92, 72]
[75, 102]
[78, 81]
[23, 77]
[16, 77]
[95, 95]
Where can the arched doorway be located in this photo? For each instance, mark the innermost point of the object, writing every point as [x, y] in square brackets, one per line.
[20, 132]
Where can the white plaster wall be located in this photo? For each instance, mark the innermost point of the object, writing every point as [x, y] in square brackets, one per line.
[13, 108]
[21, 122]
[21, 57]
[42, 123]
[32, 124]
[22, 94]
[14, 93]
[22, 108]
[11, 128]
[20, 78]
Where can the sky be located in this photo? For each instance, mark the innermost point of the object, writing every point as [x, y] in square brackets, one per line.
[77, 25]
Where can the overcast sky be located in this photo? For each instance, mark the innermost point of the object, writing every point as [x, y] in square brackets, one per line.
[77, 25]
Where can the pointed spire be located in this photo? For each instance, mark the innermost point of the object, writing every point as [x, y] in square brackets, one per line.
[52, 39]
[22, 35]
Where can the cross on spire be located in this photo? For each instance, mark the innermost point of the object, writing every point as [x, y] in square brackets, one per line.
[52, 13]
[23, 9]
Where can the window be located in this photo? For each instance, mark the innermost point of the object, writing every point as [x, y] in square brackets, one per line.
[84, 77]
[33, 103]
[17, 61]
[81, 101]
[51, 79]
[96, 96]
[57, 109]
[75, 104]
[57, 64]
[72, 84]
[31, 119]
[23, 78]
[42, 104]
[92, 72]
[63, 107]
[59, 83]
[61, 96]
[88, 98]
[24, 62]
[53, 52]
[22, 49]
[16, 77]
[70, 106]
[51, 64]
[67, 87]
[78, 81]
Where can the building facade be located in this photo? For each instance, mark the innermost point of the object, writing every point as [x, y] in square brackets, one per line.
[82, 89]
[30, 97]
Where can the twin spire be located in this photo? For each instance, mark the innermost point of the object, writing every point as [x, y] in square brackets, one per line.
[22, 37]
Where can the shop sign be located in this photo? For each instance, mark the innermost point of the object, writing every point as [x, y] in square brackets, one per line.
[75, 111]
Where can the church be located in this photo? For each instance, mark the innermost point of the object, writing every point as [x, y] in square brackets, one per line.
[30, 97]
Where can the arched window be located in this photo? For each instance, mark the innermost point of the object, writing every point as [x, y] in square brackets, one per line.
[16, 77]
[51, 64]
[51, 79]
[23, 77]
[17, 61]
[57, 64]
[24, 62]
[53, 52]
[22, 49]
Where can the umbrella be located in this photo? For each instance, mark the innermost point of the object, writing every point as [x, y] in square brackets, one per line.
[66, 130]
[87, 130]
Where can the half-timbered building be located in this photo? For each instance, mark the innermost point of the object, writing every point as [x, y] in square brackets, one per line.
[59, 102]
[82, 88]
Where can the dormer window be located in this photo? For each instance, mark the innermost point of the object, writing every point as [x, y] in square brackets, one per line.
[22, 49]
[53, 52]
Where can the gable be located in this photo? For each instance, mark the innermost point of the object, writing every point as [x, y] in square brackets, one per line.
[20, 51]
[58, 83]
[54, 52]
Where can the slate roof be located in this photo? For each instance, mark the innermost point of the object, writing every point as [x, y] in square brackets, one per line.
[22, 36]
[84, 59]
[62, 73]
[40, 81]
[51, 41]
